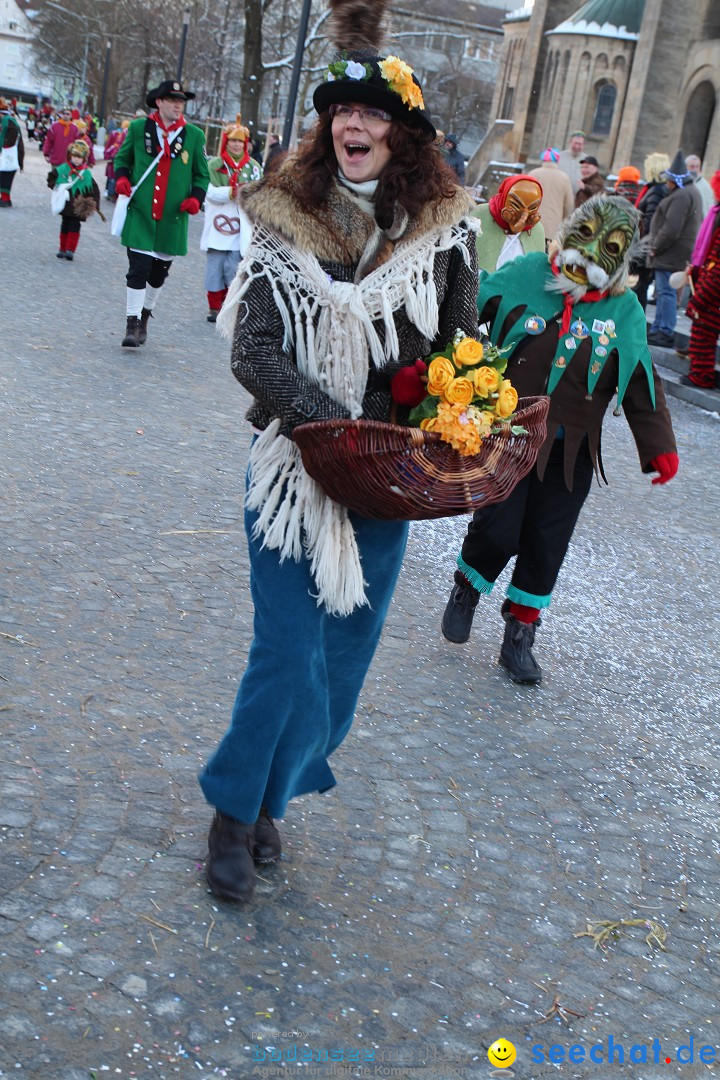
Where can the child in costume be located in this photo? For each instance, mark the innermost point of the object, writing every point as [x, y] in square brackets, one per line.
[574, 331]
[227, 230]
[83, 196]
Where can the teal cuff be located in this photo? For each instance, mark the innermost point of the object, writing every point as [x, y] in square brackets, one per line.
[477, 581]
[528, 599]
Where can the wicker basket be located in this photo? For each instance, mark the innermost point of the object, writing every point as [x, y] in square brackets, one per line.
[386, 471]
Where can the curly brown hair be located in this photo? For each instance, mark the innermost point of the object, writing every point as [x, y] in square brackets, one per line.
[415, 175]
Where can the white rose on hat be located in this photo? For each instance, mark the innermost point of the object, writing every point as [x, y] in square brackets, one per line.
[353, 70]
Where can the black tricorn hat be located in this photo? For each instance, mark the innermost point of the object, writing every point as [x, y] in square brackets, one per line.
[357, 76]
[170, 88]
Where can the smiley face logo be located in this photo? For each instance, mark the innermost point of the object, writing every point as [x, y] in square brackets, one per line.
[501, 1054]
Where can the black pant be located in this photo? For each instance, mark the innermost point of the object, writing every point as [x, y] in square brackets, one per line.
[535, 522]
[146, 270]
[644, 277]
[6, 180]
[70, 225]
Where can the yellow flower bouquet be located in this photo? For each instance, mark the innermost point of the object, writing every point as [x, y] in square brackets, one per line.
[466, 396]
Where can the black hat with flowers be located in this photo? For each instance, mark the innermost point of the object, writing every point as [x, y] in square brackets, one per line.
[360, 73]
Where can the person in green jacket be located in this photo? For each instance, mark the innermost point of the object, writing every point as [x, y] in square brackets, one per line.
[161, 165]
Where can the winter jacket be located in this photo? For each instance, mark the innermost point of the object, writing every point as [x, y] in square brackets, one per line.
[188, 176]
[674, 227]
[348, 245]
[57, 140]
[649, 199]
[557, 201]
[594, 185]
[456, 162]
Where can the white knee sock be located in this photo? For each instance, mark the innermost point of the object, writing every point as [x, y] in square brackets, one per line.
[135, 301]
[151, 295]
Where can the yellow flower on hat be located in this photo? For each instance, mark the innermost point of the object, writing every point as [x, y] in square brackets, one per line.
[399, 77]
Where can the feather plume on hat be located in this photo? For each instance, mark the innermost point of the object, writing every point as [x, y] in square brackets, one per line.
[358, 24]
[361, 74]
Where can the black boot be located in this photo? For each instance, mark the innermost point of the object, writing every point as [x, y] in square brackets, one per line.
[132, 333]
[516, 652]
[267, 847]
[230, 870]
[458, 615]
[146, 314]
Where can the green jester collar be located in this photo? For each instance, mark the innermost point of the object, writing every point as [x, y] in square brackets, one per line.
[614, 323]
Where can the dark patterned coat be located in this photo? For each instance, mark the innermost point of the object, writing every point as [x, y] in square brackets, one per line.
[348, 245]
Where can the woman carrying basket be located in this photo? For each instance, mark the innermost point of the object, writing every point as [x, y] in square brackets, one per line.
[362, 259]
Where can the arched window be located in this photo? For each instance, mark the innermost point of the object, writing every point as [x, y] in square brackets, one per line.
[604, 109]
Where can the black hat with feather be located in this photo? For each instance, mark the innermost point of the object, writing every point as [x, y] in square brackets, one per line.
[360, 73]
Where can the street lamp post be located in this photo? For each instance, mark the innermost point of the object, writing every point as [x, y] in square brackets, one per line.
[103, 95]
[295, 77]
[183, 41]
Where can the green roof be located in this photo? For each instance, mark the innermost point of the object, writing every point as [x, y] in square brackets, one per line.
[624, 14]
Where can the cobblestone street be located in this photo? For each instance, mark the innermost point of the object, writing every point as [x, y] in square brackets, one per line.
[431, 902]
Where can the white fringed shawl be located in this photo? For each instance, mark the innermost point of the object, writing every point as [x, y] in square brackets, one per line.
[329, 329]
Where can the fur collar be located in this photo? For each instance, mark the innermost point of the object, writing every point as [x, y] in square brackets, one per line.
[342, 232]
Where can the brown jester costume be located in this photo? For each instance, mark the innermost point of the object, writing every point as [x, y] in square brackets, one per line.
[578, 344]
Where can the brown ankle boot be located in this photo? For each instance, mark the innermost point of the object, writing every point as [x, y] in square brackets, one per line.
[146, 314]
[132, 333]
[267, 847]
[230, 870]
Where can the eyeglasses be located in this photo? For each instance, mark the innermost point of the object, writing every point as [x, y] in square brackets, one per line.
[367, 116]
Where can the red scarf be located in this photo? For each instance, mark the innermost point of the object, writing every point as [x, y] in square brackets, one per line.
[497, 203]
[589, 297]
[233, 167]
[167, 130]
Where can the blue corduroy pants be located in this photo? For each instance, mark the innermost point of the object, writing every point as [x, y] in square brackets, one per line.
[304, 673]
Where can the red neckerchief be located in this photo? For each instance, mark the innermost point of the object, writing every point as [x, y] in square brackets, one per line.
[233, 167]
[167, 130]
[77, 169]
[163, 170]
[589, 297]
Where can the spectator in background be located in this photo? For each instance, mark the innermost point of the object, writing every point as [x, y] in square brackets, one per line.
[694, 167]
[60, 134]
[649, 198]
[558, 199]
[274, 150]
[628, 183]
[454, 158]
[569, 160]
[673, 230]
[113, 143]
[704, 306]
[592, 182]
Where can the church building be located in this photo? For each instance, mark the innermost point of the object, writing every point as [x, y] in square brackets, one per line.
[636, 76]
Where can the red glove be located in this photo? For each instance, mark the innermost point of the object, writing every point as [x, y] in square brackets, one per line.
[123, 186]
[407, 386]
[189, 206]
[666, 465]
